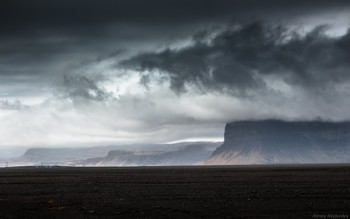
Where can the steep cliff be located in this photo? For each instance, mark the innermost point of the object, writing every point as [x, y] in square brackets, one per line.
[275, 141]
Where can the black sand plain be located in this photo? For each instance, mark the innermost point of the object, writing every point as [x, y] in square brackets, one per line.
[286, 191]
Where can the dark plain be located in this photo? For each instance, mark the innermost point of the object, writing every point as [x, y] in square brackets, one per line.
[269, 191]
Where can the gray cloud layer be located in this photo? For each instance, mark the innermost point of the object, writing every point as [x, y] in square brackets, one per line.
[80, 86]
[15, 105]
[239, 58]
[70, 71]
[38, 38]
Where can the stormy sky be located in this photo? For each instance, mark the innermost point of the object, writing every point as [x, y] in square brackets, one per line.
[84, 72]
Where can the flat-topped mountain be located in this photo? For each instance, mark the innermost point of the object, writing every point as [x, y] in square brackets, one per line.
[275, 141]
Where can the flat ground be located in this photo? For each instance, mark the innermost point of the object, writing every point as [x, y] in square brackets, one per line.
[291, 191]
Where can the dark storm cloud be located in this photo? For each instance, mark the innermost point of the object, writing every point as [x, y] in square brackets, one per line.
[83, 88]
[83, 16]
[58, 58]
[39, 33]
[240, 57]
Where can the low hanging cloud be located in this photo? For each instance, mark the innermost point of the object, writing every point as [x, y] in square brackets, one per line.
[82, 87]
[240, 58]
[12, 105]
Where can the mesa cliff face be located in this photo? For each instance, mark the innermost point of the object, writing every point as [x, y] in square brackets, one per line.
[275, 141]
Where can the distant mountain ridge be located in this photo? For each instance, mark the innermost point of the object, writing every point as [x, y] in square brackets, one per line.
[188, 155]
[182, 153]
[276, 141]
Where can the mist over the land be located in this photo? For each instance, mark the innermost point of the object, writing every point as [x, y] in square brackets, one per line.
[176, 154]
[88, 73]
